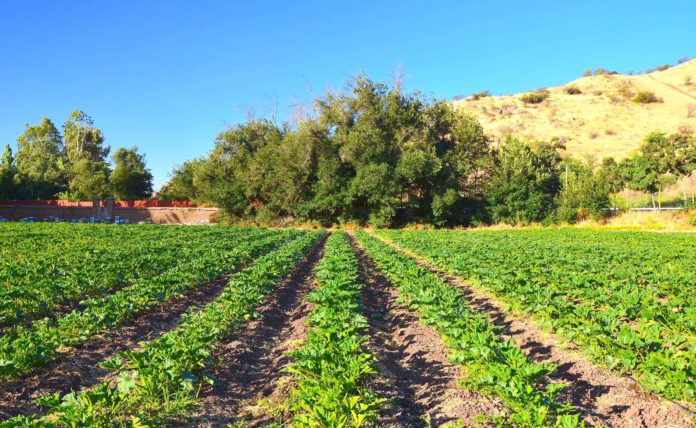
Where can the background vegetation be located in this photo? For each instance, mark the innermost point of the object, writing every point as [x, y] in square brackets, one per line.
[370, 155]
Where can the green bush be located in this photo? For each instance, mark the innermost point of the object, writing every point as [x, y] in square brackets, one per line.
[692, 218]
[646, 97]
[534, 97]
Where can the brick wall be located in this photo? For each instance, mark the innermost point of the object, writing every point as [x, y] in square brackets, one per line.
[157, 215]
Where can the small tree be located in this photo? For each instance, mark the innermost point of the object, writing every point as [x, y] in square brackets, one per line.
[84, 149]
[7, 174]
[40, 162]
[670, 156]
[130, 179]
[585, 191]
[640, 175]
[524, 183]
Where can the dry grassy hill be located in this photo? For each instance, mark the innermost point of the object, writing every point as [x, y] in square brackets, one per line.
[601, 120]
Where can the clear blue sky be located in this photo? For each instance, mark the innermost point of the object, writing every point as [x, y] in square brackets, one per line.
[167, 76]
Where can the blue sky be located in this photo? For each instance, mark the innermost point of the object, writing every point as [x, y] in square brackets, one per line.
[168, 76]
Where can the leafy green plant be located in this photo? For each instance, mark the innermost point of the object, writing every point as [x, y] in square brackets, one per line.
[25, 348]
[163, 377]
[489, 363]
[626, 300]
[333, 365]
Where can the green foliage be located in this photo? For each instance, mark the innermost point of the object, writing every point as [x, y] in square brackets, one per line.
[87, 170]
[524, 182]
[491, 364]
[130, 179]
[625, 298]
[23, 348]
[333, 365]
[374, 155]
[691, 219]
[40, 162]
[8, 171]
[535, 97]
[180, 185]
[585, 191]
[645, 97]
[640, 174]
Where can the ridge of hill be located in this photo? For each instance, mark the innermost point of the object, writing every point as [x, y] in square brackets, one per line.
[601, 120]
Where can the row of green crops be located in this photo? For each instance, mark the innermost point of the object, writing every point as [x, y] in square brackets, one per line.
[73, 263]
[163, 377]
[333, 366]
[24, 348]
[490, 364]
[628, 298]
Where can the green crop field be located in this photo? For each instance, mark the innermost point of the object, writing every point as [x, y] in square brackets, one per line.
[145, 325]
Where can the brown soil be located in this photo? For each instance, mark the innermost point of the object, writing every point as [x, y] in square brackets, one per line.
[415, 374]
[77, 369]
[601, 397]
[249, 367]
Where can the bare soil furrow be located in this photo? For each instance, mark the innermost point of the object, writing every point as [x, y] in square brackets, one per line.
[601, 397]
[415, 373]
[248, 368]
[77, 368]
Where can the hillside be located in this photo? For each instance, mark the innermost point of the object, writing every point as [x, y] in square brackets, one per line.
[602, 120]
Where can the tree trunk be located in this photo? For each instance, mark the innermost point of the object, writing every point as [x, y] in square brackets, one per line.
[686, 201]
[659, 200]
[652, 197]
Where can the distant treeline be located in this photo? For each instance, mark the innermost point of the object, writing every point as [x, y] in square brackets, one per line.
[72, 165]
[378, 156]
[372, 155]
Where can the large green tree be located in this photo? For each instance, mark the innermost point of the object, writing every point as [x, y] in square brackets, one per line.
[41, 163]
[670, 155]
[524, 183]
[130, 178]
[7, 174]
[86, 154]
[371, 154]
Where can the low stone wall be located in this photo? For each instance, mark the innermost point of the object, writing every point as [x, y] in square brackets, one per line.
[134, 215]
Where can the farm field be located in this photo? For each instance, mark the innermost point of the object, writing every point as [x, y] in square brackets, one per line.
[145, 325]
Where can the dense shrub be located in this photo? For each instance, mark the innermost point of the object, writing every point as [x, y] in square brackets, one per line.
[572, 90]
[598, 72]
[479, 95]
[646, 97]
[692, 218]
[534, 97]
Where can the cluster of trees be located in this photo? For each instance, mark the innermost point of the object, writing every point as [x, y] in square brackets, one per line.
[72, 165]
[370, 155]
[376, 155]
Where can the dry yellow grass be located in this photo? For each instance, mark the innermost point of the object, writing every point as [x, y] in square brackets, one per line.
[602, 120]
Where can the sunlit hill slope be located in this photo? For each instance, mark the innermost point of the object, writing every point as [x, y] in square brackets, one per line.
[600, 116]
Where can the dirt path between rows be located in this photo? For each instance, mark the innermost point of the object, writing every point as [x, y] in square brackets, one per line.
[415, 373]
[601, 397]
[78, 369]
[249, 367]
